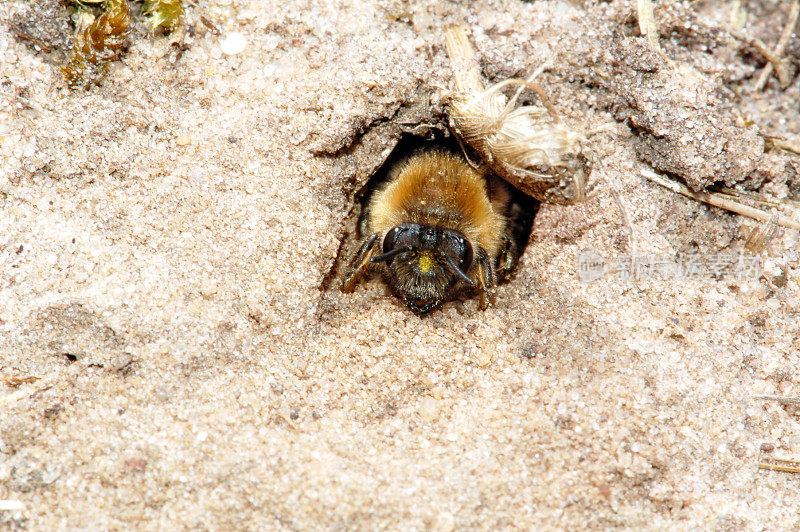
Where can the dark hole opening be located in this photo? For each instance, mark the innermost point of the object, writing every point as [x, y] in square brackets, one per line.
[521, 211]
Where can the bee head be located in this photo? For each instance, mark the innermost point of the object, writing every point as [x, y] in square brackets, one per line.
[425, 263]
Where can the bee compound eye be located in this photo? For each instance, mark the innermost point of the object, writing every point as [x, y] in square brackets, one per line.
[466, 255]
[392, 245]
[390, 240]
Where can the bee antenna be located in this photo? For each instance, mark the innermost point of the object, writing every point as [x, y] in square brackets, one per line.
[389, 255]
[451, 265]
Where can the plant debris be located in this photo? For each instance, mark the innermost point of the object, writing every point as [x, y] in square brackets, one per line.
[530, 147]
[16, 382]
[98, 41]
[782, 144]
[777, 64]
[786, 465]
[718, 200]
[647, 24]
[166, 14]
[784, 400]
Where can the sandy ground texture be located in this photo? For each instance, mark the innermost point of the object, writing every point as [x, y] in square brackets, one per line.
[175, 352]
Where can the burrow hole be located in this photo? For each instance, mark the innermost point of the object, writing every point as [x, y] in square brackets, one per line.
[521, 213]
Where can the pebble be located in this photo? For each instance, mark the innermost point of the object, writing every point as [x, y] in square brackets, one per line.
[234, 43]
[208, 287]
[429, 409]
[11, 505]
[445, 522]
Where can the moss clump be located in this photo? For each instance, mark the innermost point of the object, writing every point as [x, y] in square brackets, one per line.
[98, 41]
[165, 14]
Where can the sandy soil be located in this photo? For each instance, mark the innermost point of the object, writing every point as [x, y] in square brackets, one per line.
[174, 353]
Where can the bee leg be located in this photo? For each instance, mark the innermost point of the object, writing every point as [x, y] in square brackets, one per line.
[360, 262]
[486, 278]
[507, 258]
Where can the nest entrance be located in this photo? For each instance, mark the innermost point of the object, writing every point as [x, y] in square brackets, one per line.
[521, 212]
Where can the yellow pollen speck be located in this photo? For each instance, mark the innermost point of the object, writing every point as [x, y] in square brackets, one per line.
[425, 263]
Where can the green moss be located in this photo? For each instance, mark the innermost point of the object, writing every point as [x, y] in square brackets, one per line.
[97, 41]
[165, 14]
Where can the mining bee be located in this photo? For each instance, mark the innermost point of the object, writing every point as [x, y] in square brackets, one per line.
[438, 227]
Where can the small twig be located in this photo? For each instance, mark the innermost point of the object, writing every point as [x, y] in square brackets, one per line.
[778, 467]
[750, 196]
[15, 382]
[778, 52]
[738, 15]
[779, 398]
[763, 49]
[718, 201]
[758, 198]
[625, 220]
[464, 61]
[208, 23]
[782, 460]
[35, 388]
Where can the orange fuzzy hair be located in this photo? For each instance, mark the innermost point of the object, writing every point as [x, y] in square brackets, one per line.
[438, 189]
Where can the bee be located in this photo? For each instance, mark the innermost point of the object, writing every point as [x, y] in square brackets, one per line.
[438, 227]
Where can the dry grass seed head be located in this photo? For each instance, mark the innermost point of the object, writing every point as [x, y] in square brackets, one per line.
[528, 146]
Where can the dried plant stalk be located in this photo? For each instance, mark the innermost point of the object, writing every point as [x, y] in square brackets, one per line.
[782, 399]
[763, 49]
[784, 459]
[15, 382]
[647, 23]
[719, 201]
[778, 467]
[530, 147]
[785, 37]
[97, 43]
